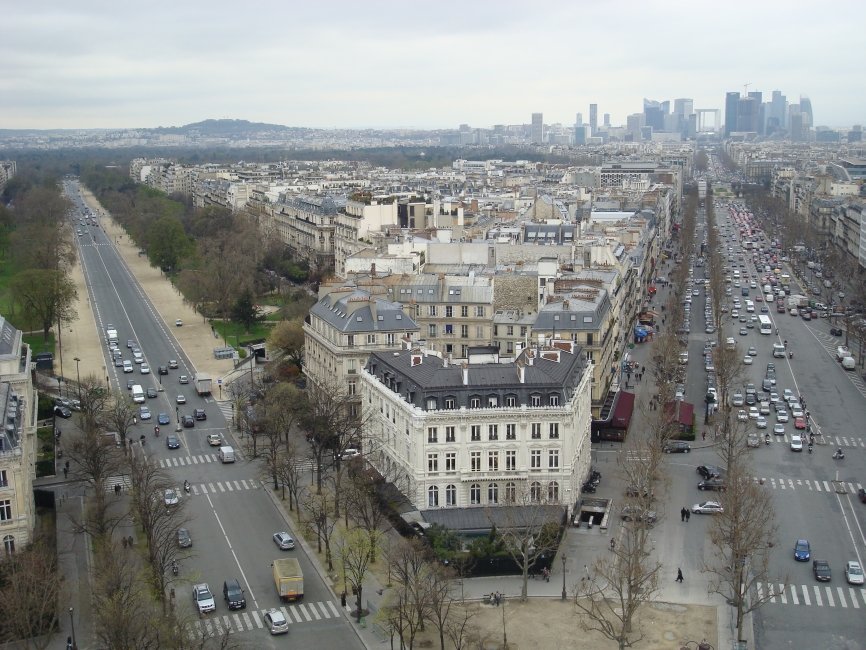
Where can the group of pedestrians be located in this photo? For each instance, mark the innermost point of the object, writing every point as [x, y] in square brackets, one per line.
[685, 514]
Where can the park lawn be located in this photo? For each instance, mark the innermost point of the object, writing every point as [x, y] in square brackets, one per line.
[6, 274]
[38, 344]
[236, 335]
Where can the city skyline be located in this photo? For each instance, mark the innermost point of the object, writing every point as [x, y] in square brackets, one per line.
[388, 65]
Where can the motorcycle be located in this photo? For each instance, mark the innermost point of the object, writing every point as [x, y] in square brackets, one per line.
[810, 447]
[767, 439]
[156, 431]
[174, 568]
[186, 487]
[839, 454]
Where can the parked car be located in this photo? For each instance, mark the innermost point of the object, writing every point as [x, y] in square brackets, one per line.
[707, 508]
[677, 447]
[636, 513]
[717, 484]
[709, 471]
[62, 411]
[183, 538]
[284, 541]
[233, 594]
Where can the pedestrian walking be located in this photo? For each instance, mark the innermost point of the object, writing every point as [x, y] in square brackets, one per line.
[498, 598]
[586, 571]
[688, 515]
[67, 465]
[679, 575]
[682, 514]
[703, 435]
[65, 472]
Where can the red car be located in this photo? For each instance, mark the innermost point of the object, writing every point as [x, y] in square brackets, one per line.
[800, 423]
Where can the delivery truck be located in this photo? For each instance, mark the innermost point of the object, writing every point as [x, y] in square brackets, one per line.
[288, 579]
[202, 384]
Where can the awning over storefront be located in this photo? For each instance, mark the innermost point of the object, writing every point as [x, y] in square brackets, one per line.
[622, 411]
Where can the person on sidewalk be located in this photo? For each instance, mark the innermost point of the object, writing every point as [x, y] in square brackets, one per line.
[679, 575]
[682, 514]
[688, 515]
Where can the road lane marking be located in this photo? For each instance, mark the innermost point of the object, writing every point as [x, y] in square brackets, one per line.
[806, 595]
[782, 595]
[818, 600]
[853, 595]
[256, 618]
[830, 602]
[841, 597]
[794, 595]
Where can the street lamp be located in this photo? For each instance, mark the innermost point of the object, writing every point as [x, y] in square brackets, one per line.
[78, 377]
[564, 595]
[72, 623]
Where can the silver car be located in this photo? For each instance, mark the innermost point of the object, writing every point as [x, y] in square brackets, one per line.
[284, 541]
[276, 622]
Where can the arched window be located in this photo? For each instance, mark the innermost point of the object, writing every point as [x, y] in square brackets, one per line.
[535, 492]
[475, 494]
[9, 545]
[433, 496]
[510, 492]
[493, 493]
[553, 492]
[450, 495]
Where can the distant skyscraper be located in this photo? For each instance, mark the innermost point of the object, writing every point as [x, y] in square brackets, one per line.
[580, 134]
[684, 107]
[779, 109]
[593, 118]
[536, 133]
[732, 106]
[607, 119]
[806, 112]
[633, 124]
[748, 113]
[579, 120]
[653, 114]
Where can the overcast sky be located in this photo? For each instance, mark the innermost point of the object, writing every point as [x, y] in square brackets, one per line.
[415, 63]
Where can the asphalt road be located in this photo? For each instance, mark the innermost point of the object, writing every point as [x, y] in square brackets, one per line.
[232, 518]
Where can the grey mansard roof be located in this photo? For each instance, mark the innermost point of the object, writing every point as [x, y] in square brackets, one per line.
[357, 311]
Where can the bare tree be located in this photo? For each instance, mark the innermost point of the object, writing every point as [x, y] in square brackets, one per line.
[444, 608]
[362, 500]
[118, 416]
[323, 519]
[406, 606]
[29, 589]
[355, 553]
[289, 467]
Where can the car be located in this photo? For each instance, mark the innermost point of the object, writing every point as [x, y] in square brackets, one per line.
[138, 357]
[118, 362]
[130, 383]
[796, 410]
[214, 440]
[172, 363]
[748, 360]
[234, 595]
[276, 622]
[170, 497]
[765, 309]
[188, 421]
[796, 443]
[163, 418]
[709, 471]
[853, 573]
[861, 494]
[744, 331]
[707, 508]
[172, 441]
[183, 379]
[742, 416]
[152, 392]
[738, 399]
[752, 440]
[131, 344]
[162, 370]
[774, 399]
[127, 366]
[203, 598]
[199, 414]
[677, 447]
[180, 399]
[144, 369]
[753, 351]
[781, 415]
[284, 541]
[178, 323]
[636, 513]
[800, 423]
[144, 413]
[62, 411]
[821, 570]
[788, 395]
[779, 429]
[183, 538]
[754, 414]
[716, 483]
[349, 453]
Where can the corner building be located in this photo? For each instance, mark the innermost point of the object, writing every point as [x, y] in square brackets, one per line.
[482, 432]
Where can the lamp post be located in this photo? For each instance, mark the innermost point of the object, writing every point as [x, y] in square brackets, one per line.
[72, 623]
[78, 377]
[564, 595]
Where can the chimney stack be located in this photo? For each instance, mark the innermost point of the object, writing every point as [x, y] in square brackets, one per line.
[465, 373]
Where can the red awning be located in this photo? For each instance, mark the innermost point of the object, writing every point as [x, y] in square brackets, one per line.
[622, 411]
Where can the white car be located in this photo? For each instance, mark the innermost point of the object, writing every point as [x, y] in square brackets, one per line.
[854, 573]
[170, 497]
[796, 443]
[742, 416]
[788, 395]
[774, 399]
[203, 598]
[782, 415]
[779, 429]
[753, 413]
[738, 399]
[747, 360]
[797, 411]
[761, 422]
[707, 508]
[144, 369]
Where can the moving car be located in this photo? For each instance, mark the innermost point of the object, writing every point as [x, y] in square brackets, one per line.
[199, 414]
[181, 399]
[62, 411]
[214, 440]
[163, 419]
[796, 443]
[276, 622]
[127, 366]
[707, 508]
[677, 447]
[821, 569]
[761, 422]
[170, 497]
[183, 379]
[172, 363]
[152, 392]
[853, 573]
[188, 421]
[172, 441]
[802, 550]
[782, 415]
[183, 538]
[752, 440]
[284, 541]
[162, 370]
[144, 413]
[144, 369]
[799, 423]
[779, 429]
[233, 594]
[709, 471]
[203, 598]
[178, 323]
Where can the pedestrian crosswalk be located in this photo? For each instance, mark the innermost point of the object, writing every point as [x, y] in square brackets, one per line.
[214, 626]
[221, 487]
[829, 441]
[837, 487]
[113, 481]
[228, 411]
[813, 595]
[184, 461]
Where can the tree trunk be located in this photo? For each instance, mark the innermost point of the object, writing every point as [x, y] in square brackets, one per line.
[359, 589]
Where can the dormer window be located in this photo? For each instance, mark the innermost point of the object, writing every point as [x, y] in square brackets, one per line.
[535, 400]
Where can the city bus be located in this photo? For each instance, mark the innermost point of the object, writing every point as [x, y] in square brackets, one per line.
[765, 324]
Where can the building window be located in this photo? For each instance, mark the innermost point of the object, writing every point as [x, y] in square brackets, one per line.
[510, 492]
[479, 332]
[535, 492]
[449, 403]
[475, 461]
[4, 481]
[475, 402]
[390, 339]
[493, 493]
[9, 545]
[475, 432]
[431, 310]
[371, 339]
[450, 495]
[450, 434]
[351, 366]
[510, 461]
[511, 432]
[431, 330]
[464, 331]
[479, 311]
[510, 330]
[523, 331]
[433, 496]
[589, 338]
[492, 401]
[553, 491]
[535, 459]
[509, 347]
[431, 403]
[432, 434]
[475, 494]
[536, 430]
[464, 311]
[350, 341]
[535, 400]
[449, 329]
[493, 461]
[554, 400]
[6, 510]
[493, 432]
[554, 430]
[432, 462]
[510, 400]
[353, 388]
[451, 461]
[449, 312]
[464, 351]
[553, 458]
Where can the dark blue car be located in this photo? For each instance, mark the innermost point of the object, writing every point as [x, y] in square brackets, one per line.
[802, 551]
[163, 418]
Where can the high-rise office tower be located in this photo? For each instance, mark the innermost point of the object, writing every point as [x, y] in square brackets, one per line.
[732, 105]
[536, 132]
[580, 134]
[593, 118]
[579, 120]
[748, 114]
[684, 107]
[607, 120]
[806, 112]
[779, 109]
[653, 114]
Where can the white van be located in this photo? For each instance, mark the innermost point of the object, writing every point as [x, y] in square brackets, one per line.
[137, 394]
[227, 455]
[779, 350]
[768, 288]
[848, 363]
[730, 343]
[842, 352]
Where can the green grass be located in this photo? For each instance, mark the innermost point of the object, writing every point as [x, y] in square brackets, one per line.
[236, 336]
[38, 344]
[5, 296]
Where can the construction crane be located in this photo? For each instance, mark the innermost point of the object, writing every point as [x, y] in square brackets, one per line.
[746, 89]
